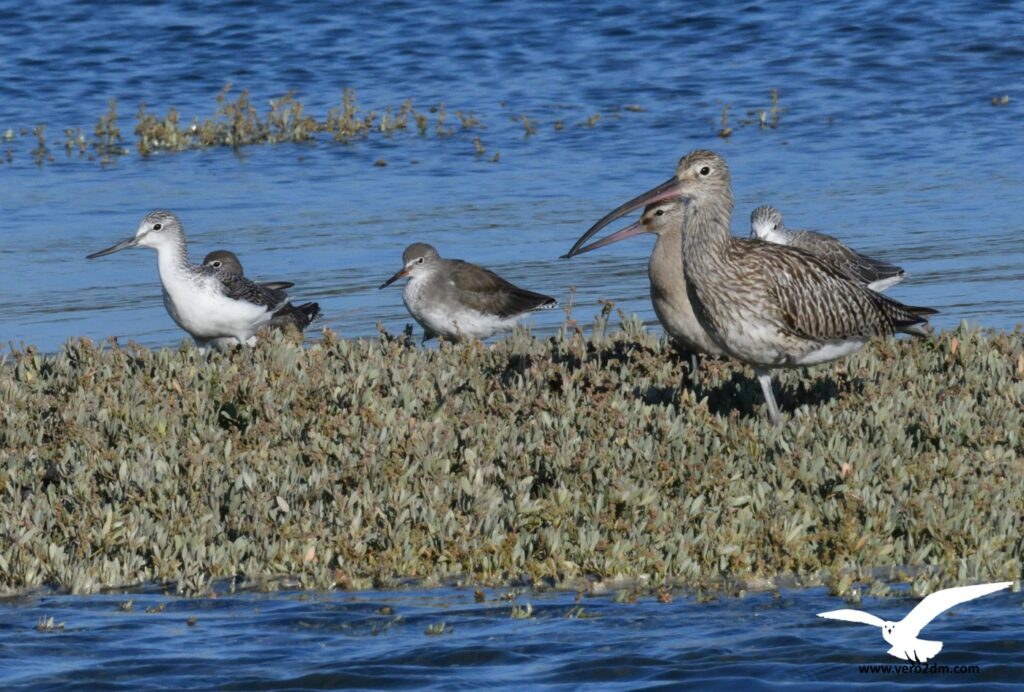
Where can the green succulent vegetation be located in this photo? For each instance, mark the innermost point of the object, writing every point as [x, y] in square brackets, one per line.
[561, 462]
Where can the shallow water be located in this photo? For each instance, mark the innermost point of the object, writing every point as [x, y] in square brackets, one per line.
[378, 639]
[888, 139]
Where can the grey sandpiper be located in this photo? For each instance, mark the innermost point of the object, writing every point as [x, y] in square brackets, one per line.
[458, 300]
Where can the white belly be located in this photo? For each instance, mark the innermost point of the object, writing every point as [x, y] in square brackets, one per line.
[758, 342]
[207, 314]
[453, 322]
[831, 351]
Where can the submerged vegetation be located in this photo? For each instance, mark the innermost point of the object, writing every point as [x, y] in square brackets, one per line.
[564, 462]
[238, 122]
[764, 118]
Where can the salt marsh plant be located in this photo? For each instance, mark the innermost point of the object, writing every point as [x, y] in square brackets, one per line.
[724, 130]
[568, 461]
[286, 120]
[529, 125]
[238, 121]
[108, 142]
[41, 153]
[346, 124]
[75, 139]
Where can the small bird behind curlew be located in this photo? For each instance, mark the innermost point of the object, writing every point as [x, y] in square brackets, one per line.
[766, 224]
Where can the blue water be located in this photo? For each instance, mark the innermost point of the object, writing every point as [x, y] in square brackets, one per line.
[379, 639]
[888, 139]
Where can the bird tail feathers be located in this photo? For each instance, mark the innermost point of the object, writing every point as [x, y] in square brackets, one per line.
[914, 321]
[311, 311]
[917, 650]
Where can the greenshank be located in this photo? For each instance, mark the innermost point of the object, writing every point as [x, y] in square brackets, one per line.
[200, 301]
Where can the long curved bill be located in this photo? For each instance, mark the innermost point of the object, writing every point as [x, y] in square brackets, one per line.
[127, 243]
[398, 275]
[627, 232]
[667, 190]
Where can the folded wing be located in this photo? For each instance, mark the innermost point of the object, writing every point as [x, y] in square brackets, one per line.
[482, 290]
[817, 301]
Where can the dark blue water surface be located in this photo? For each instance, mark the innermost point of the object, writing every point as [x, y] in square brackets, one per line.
[380, 639]
[887, 139]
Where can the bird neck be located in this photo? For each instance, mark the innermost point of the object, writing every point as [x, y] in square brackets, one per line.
[706, 231]
[664, 268]
[172, 258]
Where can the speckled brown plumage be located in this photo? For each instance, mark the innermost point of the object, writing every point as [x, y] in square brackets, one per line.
[806, 300]
[767, 305]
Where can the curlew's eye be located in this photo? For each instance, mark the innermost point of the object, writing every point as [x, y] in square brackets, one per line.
[660, 212]
[157, 226]
[215, 264]
[419, 260]
[705, 170]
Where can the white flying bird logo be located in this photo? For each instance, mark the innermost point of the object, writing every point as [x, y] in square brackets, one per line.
[903, 634]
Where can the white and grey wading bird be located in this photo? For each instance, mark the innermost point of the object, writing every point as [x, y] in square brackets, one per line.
[903, 634]
[766, 224]
[767, 305]
[668, 282]
[212, 308]
[289, 316]
[458, 300]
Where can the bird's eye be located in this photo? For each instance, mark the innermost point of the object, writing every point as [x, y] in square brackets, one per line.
[660, 212]
[705, 170]
[215, 264]
[419, 260]
[157, 226]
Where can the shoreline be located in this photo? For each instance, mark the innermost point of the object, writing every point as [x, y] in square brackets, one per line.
[352, 464]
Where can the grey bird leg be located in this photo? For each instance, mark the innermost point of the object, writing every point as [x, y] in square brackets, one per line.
[765, 378]
[693, 377]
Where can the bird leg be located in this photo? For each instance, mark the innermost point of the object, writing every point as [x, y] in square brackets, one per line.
[765, 378]
[693, 376]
